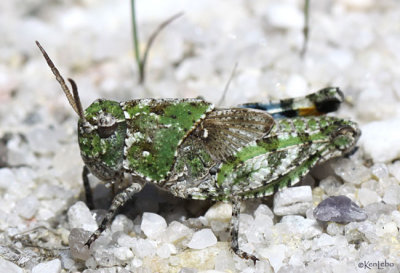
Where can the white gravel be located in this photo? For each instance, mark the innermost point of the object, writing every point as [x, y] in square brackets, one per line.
[354, 44]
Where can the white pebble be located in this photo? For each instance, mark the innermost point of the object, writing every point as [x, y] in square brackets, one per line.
[275, 254]
[330, 185]
[176, 231]
[122, 223]
[298, 225]
[202, 239]
[380, 140]
[294, 200]
[396, 217]
[144, 248]
[335, 229]
[105, 257]
[153, 225]
[219, 211]
[263, 210]
[9, 267]
[123, 253]
[53, 266]
[380, 171]
[165, 250]
[366, 197]
[394, 169]
[392, 195]
[27, 207]
[350, 171]
[323, 241]
[79, 216]
[7, 178]
[284, 16]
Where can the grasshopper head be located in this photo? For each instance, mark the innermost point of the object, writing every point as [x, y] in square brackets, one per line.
[101, 134]
[101, 129]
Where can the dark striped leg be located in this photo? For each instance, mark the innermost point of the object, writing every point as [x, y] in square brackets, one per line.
[235, 232]
[119, 200]
[88, 190]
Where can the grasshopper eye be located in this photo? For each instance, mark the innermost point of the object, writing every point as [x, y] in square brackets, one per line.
[106, 125]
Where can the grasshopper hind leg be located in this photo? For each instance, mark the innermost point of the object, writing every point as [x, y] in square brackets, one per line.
[235, 233]
[318, 103]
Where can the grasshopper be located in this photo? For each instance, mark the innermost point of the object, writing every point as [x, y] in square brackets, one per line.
[197, 151]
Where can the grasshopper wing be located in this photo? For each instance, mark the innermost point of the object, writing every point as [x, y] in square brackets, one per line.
[224, 131]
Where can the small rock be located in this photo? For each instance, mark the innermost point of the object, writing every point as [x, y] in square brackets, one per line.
[388, 230]
[135, 263]
[358, 231]
[396, 217]
[122, 223]
[323, 241]
[263, 209]
[380, 171]
[375, 210]
[176, 231]
[165, 250]
[144, 248]
[367, 196]
[153, 225]
[53, 266]
[27, 207]
[380, 140]
[224, 261]
[126, 240]
[298, 225]
[330, 185]
[105, 257]
[339, 209]
[7, 178]
[9, 267]
[275, 255]
[202, 239]
[77, 239]
[284, 16]
[219, 211]
[392, 195]
[335, 229]
[350, 171]
[123, 253]
[293, 201]
[394, 170]
[79, 216]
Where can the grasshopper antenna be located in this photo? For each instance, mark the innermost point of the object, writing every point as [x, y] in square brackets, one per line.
[73, 98]
[221, 100]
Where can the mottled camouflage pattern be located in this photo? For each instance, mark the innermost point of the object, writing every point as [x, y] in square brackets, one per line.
[275, 161]
[193, 150]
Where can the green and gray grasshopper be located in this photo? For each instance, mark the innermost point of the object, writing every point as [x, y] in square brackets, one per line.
[196, 151]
